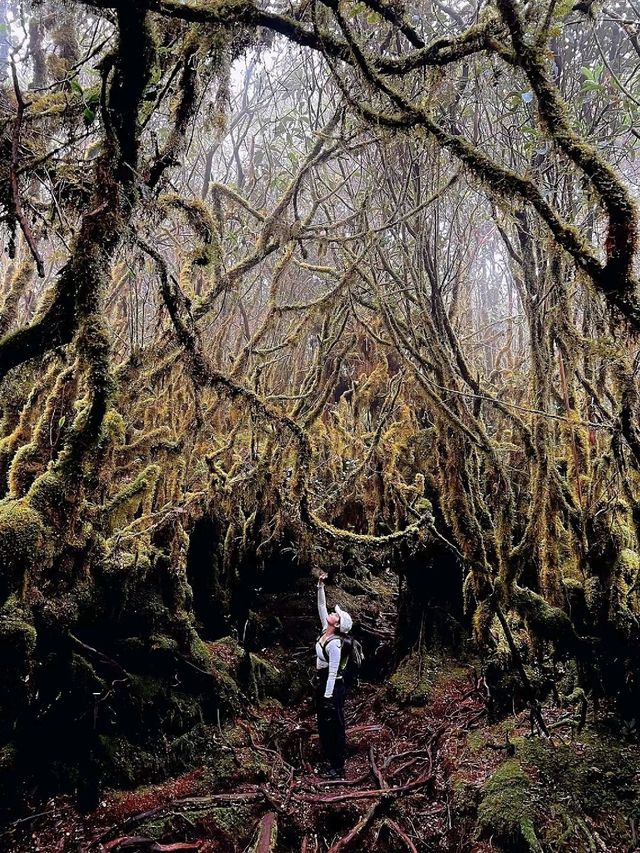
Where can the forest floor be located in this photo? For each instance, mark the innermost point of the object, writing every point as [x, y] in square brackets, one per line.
[433, 776]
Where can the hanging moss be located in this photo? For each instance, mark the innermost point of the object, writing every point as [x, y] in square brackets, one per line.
[482, 622]
[124, 504]
[547, 622]
[18, 284]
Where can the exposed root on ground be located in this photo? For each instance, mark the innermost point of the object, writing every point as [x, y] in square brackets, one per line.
[396, 770]
[434, 777]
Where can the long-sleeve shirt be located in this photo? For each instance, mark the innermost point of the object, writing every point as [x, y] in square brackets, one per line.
[332, 646]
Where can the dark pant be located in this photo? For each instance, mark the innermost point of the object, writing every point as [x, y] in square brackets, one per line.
[330, 714]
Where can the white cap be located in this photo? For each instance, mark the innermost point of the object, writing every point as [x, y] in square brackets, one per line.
[346, 622]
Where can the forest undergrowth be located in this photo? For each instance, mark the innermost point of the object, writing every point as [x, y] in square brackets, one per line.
[430, 767]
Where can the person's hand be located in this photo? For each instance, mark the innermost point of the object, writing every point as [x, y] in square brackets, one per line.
[323, 577]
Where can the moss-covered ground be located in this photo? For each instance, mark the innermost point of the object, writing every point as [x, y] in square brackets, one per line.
[430, 764]
[426, 766]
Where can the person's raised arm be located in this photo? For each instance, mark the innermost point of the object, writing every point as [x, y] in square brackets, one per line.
[322, 602]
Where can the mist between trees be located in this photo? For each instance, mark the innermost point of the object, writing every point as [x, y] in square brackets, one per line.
[323, 285]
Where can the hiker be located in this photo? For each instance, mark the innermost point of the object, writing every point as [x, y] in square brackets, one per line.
[330, 684]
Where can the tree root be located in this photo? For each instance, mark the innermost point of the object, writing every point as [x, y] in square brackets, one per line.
[393, 827]
[139, 844]
[414, 785]
[267, 834]
[357, 830]
[376, 772]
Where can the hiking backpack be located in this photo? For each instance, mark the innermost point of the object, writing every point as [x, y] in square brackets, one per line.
[351, 658]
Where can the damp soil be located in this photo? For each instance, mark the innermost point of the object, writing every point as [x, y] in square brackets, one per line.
[426, 771]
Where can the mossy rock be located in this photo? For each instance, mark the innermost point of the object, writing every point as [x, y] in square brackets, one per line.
[251, 675]
[231, 760]
[506, 811]
[599, 779]
[412, 682]
[22, 537]
[226, 654]
[126, 764]
[199, 651]
[269, 680]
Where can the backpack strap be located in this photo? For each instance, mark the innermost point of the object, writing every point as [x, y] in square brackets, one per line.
[345, 646]
[324, 645]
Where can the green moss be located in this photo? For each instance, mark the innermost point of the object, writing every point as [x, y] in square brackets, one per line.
[506, 809]
[228, 820]
[423, 505]
[127, 764]
[572, 586]
[160, 642]
[465, 797]
[48, 494]
[412, 682]
[200, 652]
[124, 504]
[482, 621]
[595, 596]
[113, 429]
[239, 674]
[628, 564]
[269, 680]
[599, 779]
[22, 536]
[21, 635]
[475, 741]
[147, 689]
[25, 466]
[545, 621]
